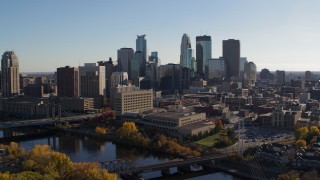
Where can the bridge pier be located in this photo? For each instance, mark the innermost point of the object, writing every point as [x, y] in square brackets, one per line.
[184, 169]
[165, 172]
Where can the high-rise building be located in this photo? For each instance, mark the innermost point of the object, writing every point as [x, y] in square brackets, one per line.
[119, 78]
[216, 68]
[280, 77]
[141, 45]
[170, 78]
[186, 53]
[251, 72]
[68, 81]
[265, 74]
[152, 69]
[131, 99]
[109, 69]
[203, 53]
[92, 80]
[243, 63]
[136, 65]
[10, 82]
[308, 75]
[125, 55]
[231, 55]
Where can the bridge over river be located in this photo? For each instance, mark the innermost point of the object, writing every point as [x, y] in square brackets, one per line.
[127, 168]
[41, 122]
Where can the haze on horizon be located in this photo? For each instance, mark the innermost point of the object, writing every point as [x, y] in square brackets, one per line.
[48, 34]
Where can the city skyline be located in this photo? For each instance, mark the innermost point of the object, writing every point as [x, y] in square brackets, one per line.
[45, 35]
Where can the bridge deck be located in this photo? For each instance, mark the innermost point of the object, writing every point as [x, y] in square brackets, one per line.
[38, 122]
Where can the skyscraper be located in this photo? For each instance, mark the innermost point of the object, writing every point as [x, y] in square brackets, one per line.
[280, 77]
[203, 53]
[119, 78]
[125, 55]
[136, 65]
[231, 55]
[92, 80]
[216, 68]
[186, 53]
[251, 72]
[265, 74]
[243, 63]
[68, 81]
[10, 82]
[141, 45]
[109, 69]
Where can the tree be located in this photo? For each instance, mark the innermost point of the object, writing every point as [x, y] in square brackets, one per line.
[13, 150]
[314, 129]
[300, 143]
[301, 133]
[101, 130]
[219, 125]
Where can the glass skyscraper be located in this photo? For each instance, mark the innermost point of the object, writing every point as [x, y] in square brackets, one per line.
[231, 55]
[186, 52]
[203, 53]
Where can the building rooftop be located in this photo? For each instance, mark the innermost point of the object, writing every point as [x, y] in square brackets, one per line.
[196, 125]
[171, 114]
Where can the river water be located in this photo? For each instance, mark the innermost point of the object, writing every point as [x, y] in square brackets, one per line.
[85, 149]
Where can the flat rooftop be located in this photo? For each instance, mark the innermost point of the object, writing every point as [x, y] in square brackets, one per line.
[170, 114]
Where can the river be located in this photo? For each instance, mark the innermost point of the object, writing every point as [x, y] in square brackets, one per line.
[84, 149]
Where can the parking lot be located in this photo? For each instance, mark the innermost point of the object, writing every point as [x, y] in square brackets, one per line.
[254, 135]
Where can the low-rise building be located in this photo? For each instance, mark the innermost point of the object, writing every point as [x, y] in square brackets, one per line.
[178, 123]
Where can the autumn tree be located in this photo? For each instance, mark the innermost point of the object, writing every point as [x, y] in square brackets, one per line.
[219, 125]
[13, 150]
[101, 130]
[301, 133]
[129, 133]
[300, 143]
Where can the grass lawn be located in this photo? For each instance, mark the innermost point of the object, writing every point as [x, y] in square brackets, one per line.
[211, 140]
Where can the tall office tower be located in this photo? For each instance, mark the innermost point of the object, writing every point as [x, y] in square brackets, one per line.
[280, 77]
[251, 72]
[231, 55]
[216, 68]
[136, 65]
[185, 78]
[119, 78]
[92, 80]
[110, 67]
[186, 53]
[141, 45]
[170, 78]
[152, 69]
[203, 53]
[68, 81]
[10, 79]
[265, 74]
[308, 75]
[125, 55]
[243, 63]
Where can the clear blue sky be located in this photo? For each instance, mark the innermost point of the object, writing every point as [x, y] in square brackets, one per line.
[46, 34]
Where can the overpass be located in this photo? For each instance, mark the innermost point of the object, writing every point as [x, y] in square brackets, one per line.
[41, 122]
